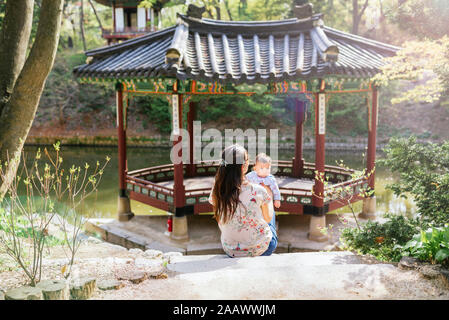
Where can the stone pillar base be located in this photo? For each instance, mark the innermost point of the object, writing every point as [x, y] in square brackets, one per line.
[124, 209]
[369, 209]
[317, 223]
[180, 229]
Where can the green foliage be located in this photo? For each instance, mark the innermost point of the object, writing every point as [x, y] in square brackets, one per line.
[2, 10]
[63, 97]
[423, 18]
[347, 106]
[157, 110]
[431, 245]
[423, 172]
[425, 63]
[253, 108]
[381, 239]
[27, 232]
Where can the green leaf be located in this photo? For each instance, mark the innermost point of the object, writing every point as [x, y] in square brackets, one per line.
[442, 254]
[410, 244]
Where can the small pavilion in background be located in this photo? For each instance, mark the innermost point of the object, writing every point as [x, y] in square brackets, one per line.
[130, 21]
[300, 58]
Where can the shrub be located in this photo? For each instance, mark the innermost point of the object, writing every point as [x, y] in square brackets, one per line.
[38, 195]
[423, 171]
[431, 245]
[381, 239]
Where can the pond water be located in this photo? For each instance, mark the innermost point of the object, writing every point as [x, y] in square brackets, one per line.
[104, 202]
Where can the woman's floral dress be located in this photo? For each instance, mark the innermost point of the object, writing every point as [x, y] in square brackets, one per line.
[247, 233]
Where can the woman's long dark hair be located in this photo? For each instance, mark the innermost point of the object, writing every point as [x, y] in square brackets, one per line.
[228, 182]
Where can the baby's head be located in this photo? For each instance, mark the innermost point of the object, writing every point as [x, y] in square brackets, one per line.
[262, 165]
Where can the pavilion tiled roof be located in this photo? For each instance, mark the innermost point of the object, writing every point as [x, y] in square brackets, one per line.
[240, 51]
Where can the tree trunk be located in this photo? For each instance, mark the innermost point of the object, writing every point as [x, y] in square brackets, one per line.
[218, 12]
[18, 114]
[14, 38]
[228, 10]
[355, 16]
[83, 38]
[96, 14]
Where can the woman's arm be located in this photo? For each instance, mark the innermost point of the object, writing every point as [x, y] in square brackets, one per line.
[266, 212]
[212, 199]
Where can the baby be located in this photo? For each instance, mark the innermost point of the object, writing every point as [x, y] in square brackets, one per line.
[261, 175]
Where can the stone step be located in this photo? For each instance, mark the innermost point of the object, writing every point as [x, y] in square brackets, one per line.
[302, 275]
[207, 262]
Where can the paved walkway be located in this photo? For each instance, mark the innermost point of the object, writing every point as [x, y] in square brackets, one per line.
[311, 275]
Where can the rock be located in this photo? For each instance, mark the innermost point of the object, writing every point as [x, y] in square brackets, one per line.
[168, 255]
[24, 293]
[148, 263]
[94, 240]
[408, 263]
[152, 267]
[2, 295]
[151, 253]
[54, 289]
[160, 276]
[55, 262]
[437, 273]
[133, 276]
[109, 284]
[114, 246]
[444, 277]
[429, 271]
[82, 289]
[136, 251]
[117, 261]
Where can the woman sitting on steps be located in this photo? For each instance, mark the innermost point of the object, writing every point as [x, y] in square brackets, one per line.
[242, 208]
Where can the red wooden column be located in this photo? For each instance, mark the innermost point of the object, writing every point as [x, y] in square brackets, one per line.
[124, 207]
[318, 219]
[191, 115]
[298, 161]
[372, 130]
[179, 190]
[121, 141]
[320, 135]
[180, 230]
[369, 204]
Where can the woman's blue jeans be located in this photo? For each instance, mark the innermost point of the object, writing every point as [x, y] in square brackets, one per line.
[274, 240]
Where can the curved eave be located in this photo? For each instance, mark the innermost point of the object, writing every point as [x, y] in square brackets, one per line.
[387, 48]
[106, 50]
[240, 52]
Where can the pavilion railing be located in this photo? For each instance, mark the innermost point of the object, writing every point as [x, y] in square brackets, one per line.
[126, 31]
[145, 181]
[155, 174]
[150, 189]
[347, 189]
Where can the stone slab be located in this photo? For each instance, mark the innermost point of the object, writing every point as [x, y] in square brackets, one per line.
[111, 284]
